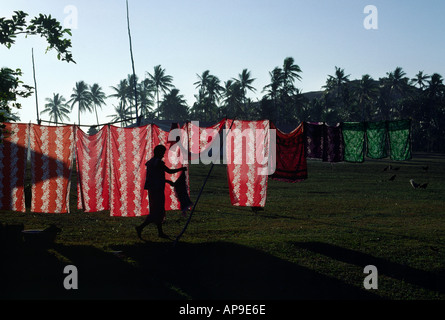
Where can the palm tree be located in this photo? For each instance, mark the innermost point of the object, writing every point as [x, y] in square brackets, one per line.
[290, 73]
[233, 99]
[97, 98]
[397, 81]
[397, 84]
[276, 81]
[131, 91]
[204, 79]
[273, 89]
[245, 83]
[366, 92]
[81, 96]
[209, 93]
[121, 92]
[122, 113]
[145, 98]
[336, 88]
[174, 106]
[160, 82]
[57, 108]
[420, 79]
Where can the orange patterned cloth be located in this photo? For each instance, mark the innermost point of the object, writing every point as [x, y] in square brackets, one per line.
[130, 149]
[247, 153]
[52, 150]
[12, 166]
[93, 170]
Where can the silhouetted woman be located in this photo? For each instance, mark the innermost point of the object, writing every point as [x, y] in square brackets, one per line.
[155, 184]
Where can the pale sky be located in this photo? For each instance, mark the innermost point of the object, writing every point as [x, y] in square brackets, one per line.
[187, 37]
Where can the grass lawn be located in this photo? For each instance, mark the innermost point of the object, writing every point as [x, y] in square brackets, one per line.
[312, 241]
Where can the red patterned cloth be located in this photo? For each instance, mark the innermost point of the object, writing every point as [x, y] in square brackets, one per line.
[291, 164]
[12, 166]
[174, 158]
[130, 149]
[93, 170]
[52, 150]
[247, 151]
[200, 140]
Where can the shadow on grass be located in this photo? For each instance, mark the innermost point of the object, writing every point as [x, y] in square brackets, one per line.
[427, 280]
[159, 271]
[221, 270]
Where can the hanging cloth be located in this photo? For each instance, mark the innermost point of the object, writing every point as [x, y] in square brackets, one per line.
[314, 139]
[200, 140]
[52, 150]
[291, 164]
[13, 153]
[399, 132]
[174, 158]
[376, 139]
[354, 139]
[93, 170]
[247, 152]
[333, 148]
[130, 149]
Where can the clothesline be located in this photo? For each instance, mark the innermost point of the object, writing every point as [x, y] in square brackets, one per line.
[110, 163]
[89, 125]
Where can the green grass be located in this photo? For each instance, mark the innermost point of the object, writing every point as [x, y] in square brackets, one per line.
[312, 241]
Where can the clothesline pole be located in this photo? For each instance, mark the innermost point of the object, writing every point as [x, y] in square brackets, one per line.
[132, 64]
[197, 199]
[35, 84]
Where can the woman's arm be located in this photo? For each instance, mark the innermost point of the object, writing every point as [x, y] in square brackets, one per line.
[171, 171]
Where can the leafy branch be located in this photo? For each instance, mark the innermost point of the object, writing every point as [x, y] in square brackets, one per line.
[43, 25]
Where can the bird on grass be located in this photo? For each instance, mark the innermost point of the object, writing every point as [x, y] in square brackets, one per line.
[392, 178]
[417, 185]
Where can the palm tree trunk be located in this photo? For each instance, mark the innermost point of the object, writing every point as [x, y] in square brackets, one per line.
[78, 114]
[157, 93]
[97, 119]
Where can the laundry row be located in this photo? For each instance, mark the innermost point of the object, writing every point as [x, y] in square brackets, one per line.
[110, 165]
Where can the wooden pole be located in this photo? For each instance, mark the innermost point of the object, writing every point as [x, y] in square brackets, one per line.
[35, 85]
[132, 64]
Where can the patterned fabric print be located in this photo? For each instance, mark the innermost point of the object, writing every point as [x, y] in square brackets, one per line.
[354, 139]
[129, 151]
[333, 147]
[12, 166]
[93, 170]
[247, 145]
[200, 139]
[174, 158]
[314, 139]
[291, 164]
[376, 138]
[400, 139]
[52, 150]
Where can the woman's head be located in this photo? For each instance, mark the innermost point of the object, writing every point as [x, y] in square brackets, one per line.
[159, 151]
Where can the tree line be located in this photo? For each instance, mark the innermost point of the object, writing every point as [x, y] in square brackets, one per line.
[394, 96]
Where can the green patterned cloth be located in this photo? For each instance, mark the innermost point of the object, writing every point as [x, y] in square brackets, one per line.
[376, 138]
[354, 141]
[399, 133]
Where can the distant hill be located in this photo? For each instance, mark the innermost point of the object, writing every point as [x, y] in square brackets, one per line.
[312, 95]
